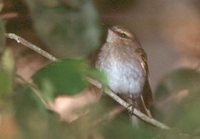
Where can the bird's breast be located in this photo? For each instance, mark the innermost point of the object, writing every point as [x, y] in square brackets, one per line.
[124, 76]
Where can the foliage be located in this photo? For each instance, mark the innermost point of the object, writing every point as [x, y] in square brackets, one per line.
[183, 87]
[2, 31]
[70, 28]
[66, 76]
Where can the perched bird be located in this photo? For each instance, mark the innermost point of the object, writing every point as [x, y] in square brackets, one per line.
[124, 62]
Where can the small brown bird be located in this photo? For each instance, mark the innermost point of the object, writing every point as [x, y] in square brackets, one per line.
[124, 62]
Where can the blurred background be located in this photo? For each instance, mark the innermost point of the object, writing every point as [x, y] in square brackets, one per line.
[169, 31]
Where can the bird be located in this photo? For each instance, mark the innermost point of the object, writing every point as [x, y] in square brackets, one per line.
[124, 63]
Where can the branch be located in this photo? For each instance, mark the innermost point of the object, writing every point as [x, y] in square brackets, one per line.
[134, 111]
[33, 47]
[35, 90]
[7, 16]
[108, 116]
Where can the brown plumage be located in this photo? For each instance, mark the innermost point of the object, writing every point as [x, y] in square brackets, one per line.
[124, 62]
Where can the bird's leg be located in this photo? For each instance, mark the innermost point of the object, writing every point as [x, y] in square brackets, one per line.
[146, 109]
[132, 102]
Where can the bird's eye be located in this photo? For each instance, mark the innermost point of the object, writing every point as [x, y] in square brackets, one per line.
[123, 35]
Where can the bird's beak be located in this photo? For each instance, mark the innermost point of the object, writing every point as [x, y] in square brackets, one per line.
[110, 36]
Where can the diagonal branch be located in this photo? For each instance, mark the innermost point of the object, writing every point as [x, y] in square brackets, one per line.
[33, 47]
[135, 111]
[35, 90]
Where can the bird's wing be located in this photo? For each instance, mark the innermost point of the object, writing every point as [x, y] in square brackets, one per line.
[138, 102]
[143, 59]
[147, 96]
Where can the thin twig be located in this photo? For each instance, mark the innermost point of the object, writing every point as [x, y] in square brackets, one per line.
[33, 47]
[108, 116]
[93, 82]
[35, 90]
[174, 97]
[134, 111]
[7, 16]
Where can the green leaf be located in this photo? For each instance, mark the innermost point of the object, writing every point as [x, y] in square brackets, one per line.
[66, 76]
[187, 114]
[8, 62]
[30, 114]
[121, 128]
[73, 3]
[48, 90]
[179, 95]
[172, 134]
[35, 123]
[2, 35]
[177, 80]
[98, 75]
[67, 31]
[5, 84]
[7, 68]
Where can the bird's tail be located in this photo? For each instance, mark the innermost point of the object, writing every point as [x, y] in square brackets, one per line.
[139, 104]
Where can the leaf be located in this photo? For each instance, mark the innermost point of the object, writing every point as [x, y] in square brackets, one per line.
[73, 3]
[2, 35]
[179, 95]
[7, 68]
[1, 5]
[122, 128]
[8, 62]
[98, 75]
[30, 114]
[177, 80]
[5, 84]
[67, 76]
[66, 31]
[48, 90]
[172, 134]
[34, 122]
[187, 114]
[107, 6]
